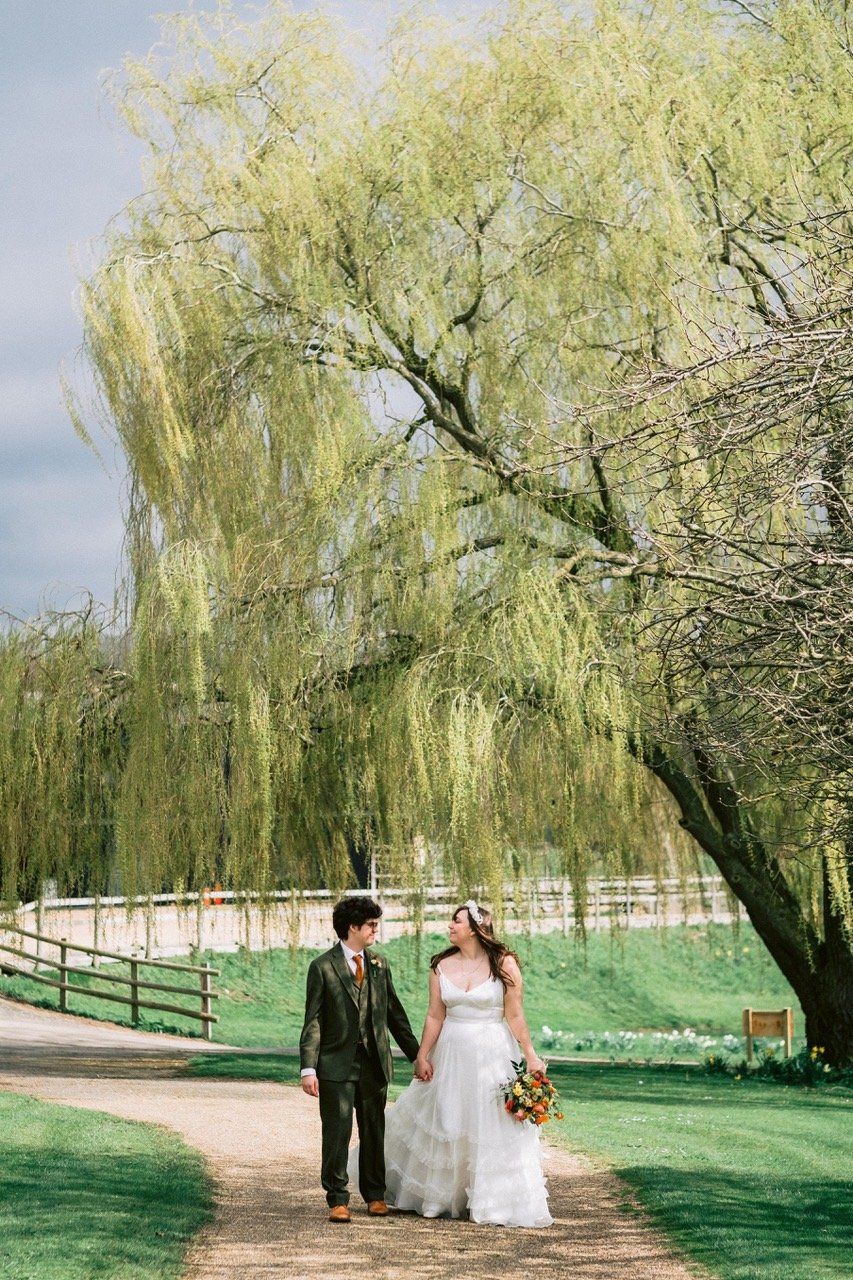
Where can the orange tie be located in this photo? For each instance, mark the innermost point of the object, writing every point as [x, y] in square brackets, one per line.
[359, 970]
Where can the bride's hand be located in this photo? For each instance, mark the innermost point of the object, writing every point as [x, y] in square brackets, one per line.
[422, 1069]
[535, 1063]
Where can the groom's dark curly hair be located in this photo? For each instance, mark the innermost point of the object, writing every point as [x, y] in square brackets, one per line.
[353, 911]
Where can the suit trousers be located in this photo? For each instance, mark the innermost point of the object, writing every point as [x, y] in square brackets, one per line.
[365, 1094]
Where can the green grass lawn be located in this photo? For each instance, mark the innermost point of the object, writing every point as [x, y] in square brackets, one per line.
[86, 1196]
[642, 979]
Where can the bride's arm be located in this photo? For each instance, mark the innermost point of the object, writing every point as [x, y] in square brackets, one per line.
[514, 1014]
[432, 1029]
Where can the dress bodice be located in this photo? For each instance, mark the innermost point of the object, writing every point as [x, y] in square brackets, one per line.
[483, 1003]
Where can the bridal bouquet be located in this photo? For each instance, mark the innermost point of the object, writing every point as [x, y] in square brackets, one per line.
[529, 1095]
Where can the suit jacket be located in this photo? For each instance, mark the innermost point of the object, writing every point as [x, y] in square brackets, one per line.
[330, 1035]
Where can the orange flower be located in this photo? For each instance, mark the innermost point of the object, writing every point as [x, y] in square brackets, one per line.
[530, 1096]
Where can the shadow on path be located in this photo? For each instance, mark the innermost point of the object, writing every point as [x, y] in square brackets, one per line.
[42, 1042]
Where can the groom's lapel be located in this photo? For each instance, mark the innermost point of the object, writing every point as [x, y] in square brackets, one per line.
[343, 971]
[373, 974]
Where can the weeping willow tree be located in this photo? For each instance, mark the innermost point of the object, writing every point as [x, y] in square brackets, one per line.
[62, 748]
[371, 636]
[386, 346]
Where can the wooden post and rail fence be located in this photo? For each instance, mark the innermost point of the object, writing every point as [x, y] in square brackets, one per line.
[138, 986]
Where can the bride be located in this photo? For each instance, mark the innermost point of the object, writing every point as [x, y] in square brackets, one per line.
[451, 1149]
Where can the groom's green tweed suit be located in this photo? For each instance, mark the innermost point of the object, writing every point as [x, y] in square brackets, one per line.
[345, 1039]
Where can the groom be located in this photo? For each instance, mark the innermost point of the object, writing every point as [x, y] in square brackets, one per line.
[350, 1006]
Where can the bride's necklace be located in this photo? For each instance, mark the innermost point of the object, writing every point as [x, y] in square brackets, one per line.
[467, 973]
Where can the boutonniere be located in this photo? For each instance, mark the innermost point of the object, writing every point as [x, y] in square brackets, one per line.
[376, 962]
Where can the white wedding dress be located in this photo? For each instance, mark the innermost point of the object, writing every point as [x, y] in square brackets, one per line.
[451, 1150]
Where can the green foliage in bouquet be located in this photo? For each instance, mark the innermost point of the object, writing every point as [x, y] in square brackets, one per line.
[531, 1096]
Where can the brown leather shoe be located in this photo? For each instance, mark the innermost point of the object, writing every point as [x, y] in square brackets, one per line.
[340, 1213]
[377, 1209]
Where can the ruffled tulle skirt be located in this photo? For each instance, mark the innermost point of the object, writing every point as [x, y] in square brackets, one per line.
[451, 1150]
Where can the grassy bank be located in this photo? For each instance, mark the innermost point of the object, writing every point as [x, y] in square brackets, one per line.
[639, 980]
[86, 1196]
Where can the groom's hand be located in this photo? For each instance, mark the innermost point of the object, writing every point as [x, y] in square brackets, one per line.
[310, 1086]
[423, 1069]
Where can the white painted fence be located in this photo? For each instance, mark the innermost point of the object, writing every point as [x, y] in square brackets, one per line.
[221, 920]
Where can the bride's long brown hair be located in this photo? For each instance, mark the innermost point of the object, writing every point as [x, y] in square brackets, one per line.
[496, 950]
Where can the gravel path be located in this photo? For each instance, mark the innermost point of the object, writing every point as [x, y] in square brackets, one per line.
[262, 1143]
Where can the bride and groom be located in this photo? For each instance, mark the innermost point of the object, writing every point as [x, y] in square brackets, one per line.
[447, 1148]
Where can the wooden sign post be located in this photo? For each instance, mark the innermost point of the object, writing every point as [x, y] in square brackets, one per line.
[768, 1022]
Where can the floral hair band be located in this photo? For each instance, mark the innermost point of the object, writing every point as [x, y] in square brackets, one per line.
[474, 911]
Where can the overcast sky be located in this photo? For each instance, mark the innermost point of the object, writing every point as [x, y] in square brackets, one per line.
[67, 167]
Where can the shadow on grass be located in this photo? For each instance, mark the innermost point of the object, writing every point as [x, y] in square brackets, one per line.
[743, 1226]
[751, 1178]
[662, 1086]
[113, 1211]
[278, 1068]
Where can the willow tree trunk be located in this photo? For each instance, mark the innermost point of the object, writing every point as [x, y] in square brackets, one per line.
[823, 983]
[828, 1006]
[818, 967]
[820, 971]
[828, 1000]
